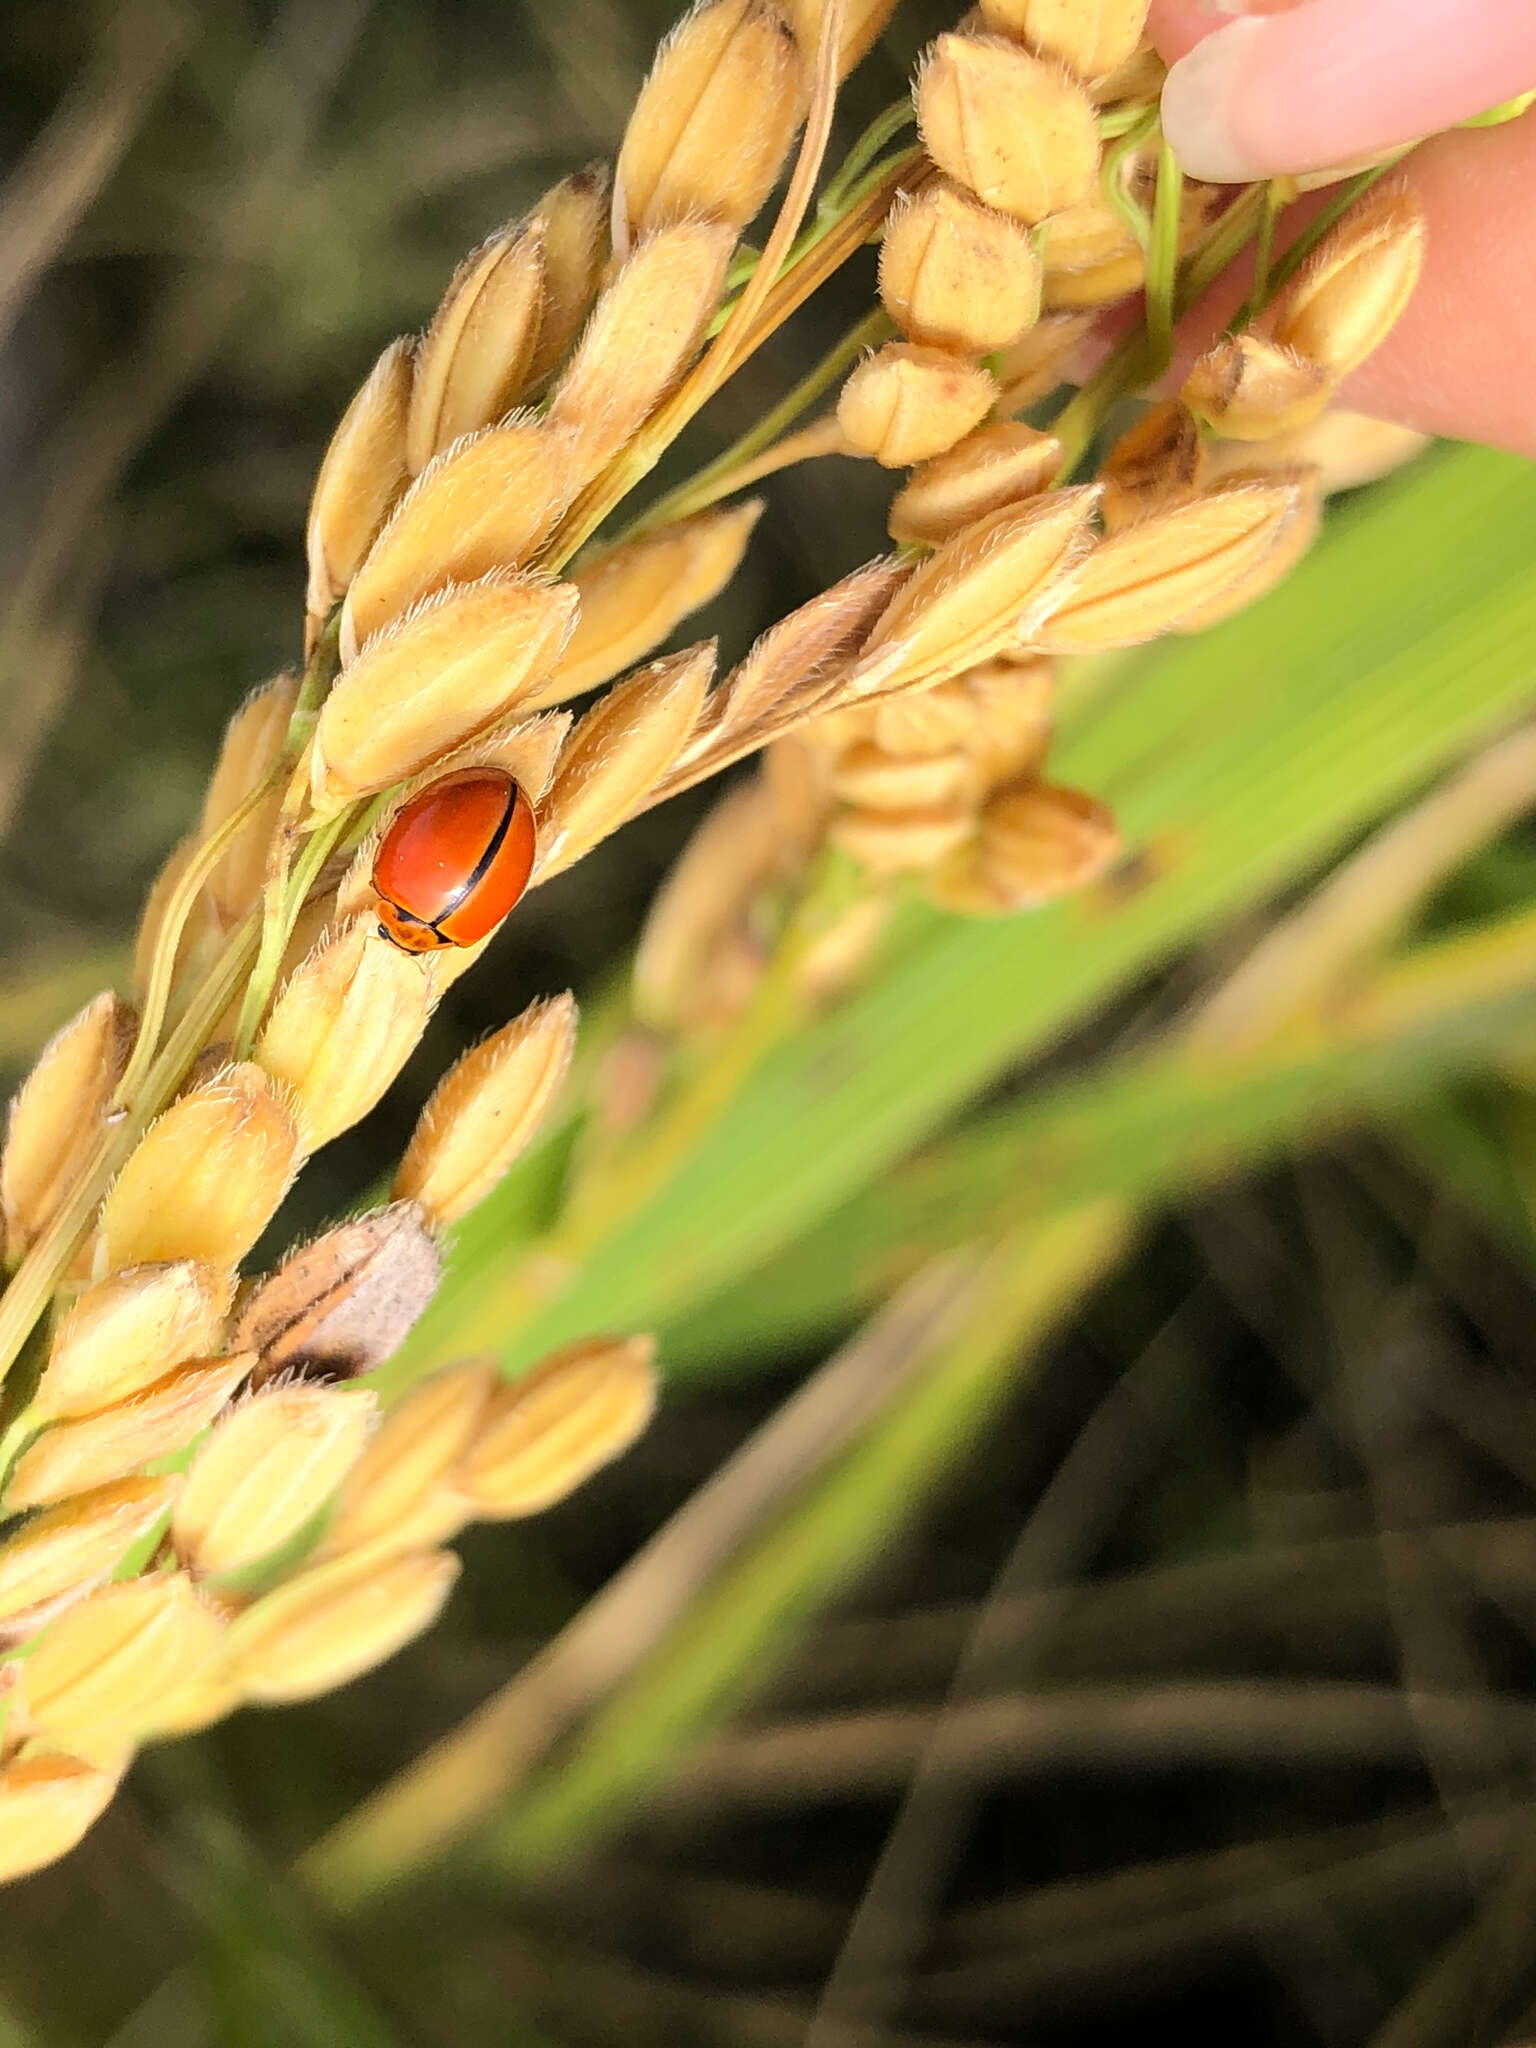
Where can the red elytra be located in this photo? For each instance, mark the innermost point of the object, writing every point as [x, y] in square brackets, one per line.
[454, 860]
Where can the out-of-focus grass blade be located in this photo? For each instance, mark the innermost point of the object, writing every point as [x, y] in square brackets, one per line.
[741, 1626]
[12, 2033]
[1145, 1124]
[266, 1972]
[1237, 762]
[1480, 1146]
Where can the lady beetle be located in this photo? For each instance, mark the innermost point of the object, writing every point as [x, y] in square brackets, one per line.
[454, 861]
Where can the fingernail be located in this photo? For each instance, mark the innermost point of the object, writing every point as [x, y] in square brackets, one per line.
[1201, 98]
[1228, 8]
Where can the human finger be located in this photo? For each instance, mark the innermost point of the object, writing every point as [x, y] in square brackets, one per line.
[1457, 362]
[1254, 95]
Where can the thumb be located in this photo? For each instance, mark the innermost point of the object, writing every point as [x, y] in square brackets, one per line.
[1331, 80]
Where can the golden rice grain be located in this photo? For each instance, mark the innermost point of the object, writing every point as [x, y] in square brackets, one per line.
[1040, 841]
[484, 504]
[266, 1470]
[364, 471]
[190, 1704]
[1015, 130]
[57, 1117]
[1094, 285]
[492, 356]
[74, 1456]
[252, 749]
[1013, 702]
[1249, 389]
[73, 1547]
[573, 219]
[126, 1331]
[906, 403]
[1086, 237]
[47, 1802]
[472, 360]
[643, 332]
[101, 1669]
[634, 595]
[869, 778]
[735, 851]
[713, 121]
[343, 1025]
[1347, 296]
[206, 1178]
[1158, 462]
[955, 274]
[798, 655]
[414, 1452]
[977, 594]
[1346, 449]
[544, 1436]
[435, 677]
[926, 722]
[1272, 568]
[863, 21]
[328, 1624]
[1145, 579]
[997, 465]
[619, 751]
[485, 1110]
[1042, 359]
[1089, 36]
[889, 842]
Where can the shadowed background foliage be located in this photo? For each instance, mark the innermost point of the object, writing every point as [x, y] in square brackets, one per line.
[1230, 1604]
